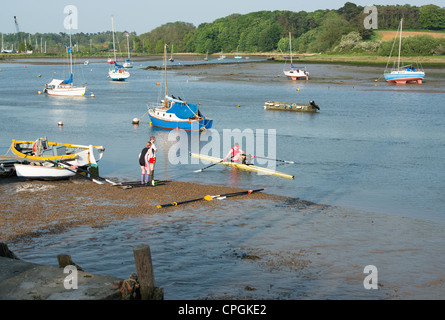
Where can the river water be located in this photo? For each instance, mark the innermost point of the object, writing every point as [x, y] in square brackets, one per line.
[374, 153]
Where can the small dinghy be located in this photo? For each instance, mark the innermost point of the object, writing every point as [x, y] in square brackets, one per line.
[47, 171]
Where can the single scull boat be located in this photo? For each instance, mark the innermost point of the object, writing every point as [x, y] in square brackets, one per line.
[242, 166]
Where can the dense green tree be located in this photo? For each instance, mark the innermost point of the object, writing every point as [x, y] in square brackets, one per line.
[432, 17]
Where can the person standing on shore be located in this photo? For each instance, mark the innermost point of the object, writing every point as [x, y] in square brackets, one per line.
[152, 161]
[143, 163]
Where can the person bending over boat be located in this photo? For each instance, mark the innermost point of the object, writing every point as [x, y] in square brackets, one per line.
[236, 154]
[142, 162]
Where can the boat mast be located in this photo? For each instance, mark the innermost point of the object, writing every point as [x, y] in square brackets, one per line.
[112, 29]
[128, 45]
[290, 49]
[400, 43]
[70, 51]
[165, 75]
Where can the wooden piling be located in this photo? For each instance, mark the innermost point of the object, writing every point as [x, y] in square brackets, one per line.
[65, 260]
[144, 269]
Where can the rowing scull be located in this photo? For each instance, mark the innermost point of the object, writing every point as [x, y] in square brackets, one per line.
[242, 166]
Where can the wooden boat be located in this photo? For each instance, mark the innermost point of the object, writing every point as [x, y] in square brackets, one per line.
[42, 150]
[291, 106]
[46, 171]
[243, 166]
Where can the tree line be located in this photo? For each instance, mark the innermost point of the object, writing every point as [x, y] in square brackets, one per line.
[326, 31]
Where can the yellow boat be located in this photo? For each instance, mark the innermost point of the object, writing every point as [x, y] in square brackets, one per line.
[242, 166]
[43, 150]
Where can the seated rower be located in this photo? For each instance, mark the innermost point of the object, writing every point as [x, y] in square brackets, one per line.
[236, 154]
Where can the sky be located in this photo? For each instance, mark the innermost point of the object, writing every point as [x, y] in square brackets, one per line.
[140, 16]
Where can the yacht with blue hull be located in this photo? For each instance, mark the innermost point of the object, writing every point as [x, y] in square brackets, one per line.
[178, 114]
[175, 113]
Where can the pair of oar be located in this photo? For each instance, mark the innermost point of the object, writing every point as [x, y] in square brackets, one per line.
[210, 198]
[93, 177]
[68, 167]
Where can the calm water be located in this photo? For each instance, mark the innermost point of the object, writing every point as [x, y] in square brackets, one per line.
[373, 147]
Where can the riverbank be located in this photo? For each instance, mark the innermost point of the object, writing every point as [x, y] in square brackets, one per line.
[299, 250]
[33, 208]
[349, 59]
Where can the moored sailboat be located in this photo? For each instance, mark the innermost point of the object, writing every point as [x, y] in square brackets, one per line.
[117, 72]
[176, 113]
[295, 73]
[403, 74]
[59, 87]
[127, 63]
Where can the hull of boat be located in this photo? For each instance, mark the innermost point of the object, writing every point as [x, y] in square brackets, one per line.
[79, 155]
[119, 76]
[160, 119]
[41, 172]
[67, 92]
[290, 106]
[296, 74]
[243, 166]
[402, 77]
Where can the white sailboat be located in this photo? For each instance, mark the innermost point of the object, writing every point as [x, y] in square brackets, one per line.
[127, 63]
[221, 57]
[59, 87]
[171, 56]
[117, 72]
[404, 74]
[295, 73]
[238, 56]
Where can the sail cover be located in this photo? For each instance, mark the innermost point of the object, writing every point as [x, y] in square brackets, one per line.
[183, 110]
[70, 80]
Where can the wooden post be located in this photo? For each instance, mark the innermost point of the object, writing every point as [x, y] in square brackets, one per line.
[144, 269]
[65, 260]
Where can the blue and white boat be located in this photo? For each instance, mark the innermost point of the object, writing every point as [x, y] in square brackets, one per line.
[117, 72]
[175, 113]
[404, 74]
[58, 87]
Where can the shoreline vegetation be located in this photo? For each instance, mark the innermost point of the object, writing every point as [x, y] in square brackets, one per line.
[337, 35]
[350, 59]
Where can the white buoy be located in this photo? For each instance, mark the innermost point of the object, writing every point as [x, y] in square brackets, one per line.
[92, 95]
[60, 123]
[135, 121]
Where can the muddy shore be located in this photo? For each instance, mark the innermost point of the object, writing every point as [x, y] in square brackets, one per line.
[31, 208]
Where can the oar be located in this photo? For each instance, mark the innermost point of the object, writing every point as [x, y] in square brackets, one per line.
[224, 196]
[214, 164]
[209, 198]
[93, 175]
[273, 159]
[74, 171]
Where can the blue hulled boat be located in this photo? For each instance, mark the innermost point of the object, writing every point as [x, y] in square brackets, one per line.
[404, 74]
[176, 113]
